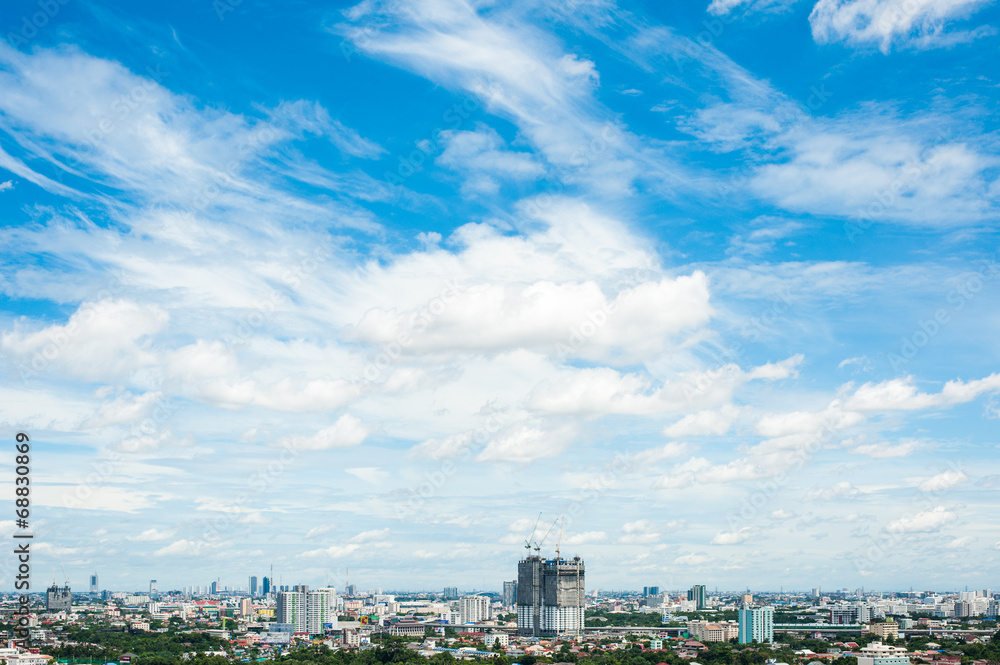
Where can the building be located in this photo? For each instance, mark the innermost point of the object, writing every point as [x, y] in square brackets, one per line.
[510, 593]
[648, 591]
[95, 587]
[703, 631]
[265, 586]
[58, 599]
[756, 624]
[877, 653]
[497, 639]
[215, 588]
[321, 610]
[253, 585]
[697, 594]
[884, 630]
[474, 608]
[152, 587]
[450, 593]
[550, 596]
[292, 610]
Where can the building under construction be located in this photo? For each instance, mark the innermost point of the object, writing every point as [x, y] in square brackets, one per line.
[58, 599]
[550, 596]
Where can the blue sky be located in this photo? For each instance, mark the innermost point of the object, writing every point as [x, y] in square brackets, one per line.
[368, 286]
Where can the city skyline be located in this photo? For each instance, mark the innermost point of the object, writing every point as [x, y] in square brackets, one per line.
[715, 287]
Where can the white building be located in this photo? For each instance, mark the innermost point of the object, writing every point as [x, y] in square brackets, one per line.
[877, 653]
[321, 609]
[474, 608]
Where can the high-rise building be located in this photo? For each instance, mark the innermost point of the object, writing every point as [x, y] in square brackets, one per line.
[152, 587]
[351, 590]
[550, 596]
[58, 599]
[95, 587]
[253, 585]
[756, 624]
[215, 588]
[474, 608]
[450, 593]
[292, 610]
[697, 594]
[321, 610]
[650, 591]
[265, 586]
[509, 593]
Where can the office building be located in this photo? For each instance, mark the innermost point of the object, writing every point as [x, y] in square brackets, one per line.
[450, 593]
[884, 630]
[291, 610]
[265, 586]
[351, 590]
[253, 585]
[58, 599]
[474, 608]
[509, 593]
[95, 587]
[756, 624]
[550, 596]
[697, 595]
[214, 588]
[152, 587]
[321, 610]
[648, 591]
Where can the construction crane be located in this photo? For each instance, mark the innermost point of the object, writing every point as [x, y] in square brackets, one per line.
[559, 541]
[538, 544]
[527, 542]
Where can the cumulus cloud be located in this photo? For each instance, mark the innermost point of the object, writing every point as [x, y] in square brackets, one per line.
[346, 432]
[942, 481]
[926, 521]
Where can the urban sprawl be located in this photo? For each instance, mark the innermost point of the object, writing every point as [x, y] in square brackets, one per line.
[544, 615]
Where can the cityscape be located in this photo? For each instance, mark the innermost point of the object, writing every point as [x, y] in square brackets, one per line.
[520, 332]
[545, 612]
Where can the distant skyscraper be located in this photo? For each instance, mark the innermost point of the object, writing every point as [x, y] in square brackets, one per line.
[215, 588]
[265, 586]
[351, 590]
[550, 596]
[152, 587]
[95, 587]
[756, 624]
[650, 591]
[253, 585]
[450, 593]
[509, 593]
[697, 594]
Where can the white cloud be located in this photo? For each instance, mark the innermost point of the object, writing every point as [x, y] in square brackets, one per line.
[844, 488]
[704, 423]
[332, 552]
[346, 432]
[375, 535]
[586, 538]
[919, 24]
[902, 394]
[942, 481]
[151, 536]
[7, 184]
[923, 522]
[886, 450]
[372, 475]
[733, 537]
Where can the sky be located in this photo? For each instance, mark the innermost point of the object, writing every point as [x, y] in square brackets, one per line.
[357, 291]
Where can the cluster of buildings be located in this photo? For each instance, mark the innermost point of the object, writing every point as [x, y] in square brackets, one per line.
[541, 612]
